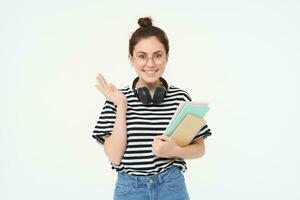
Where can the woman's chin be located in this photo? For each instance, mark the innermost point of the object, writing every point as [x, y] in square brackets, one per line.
[151, 79]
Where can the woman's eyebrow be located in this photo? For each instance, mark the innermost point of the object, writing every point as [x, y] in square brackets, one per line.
[146, 53]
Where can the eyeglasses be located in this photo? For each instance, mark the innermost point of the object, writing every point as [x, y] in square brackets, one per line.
[157, 59]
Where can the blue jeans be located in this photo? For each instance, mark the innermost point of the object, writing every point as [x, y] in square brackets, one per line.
[169, 184]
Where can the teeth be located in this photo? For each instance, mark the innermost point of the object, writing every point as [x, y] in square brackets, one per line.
[150, 72]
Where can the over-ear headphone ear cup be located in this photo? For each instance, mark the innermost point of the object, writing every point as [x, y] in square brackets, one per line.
[144, 95]
[159, 95]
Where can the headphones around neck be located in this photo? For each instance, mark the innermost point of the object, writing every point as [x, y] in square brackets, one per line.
[144, 95]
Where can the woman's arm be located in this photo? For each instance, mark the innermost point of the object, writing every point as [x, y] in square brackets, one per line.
[192, 151]
[115, 144]
[164, 146]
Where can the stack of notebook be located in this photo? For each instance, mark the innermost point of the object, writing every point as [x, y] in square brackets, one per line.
[187, 122]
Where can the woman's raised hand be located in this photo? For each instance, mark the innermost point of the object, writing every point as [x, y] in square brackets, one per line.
[110, 92]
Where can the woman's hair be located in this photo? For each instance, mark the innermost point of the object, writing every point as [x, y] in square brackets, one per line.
[145, 30]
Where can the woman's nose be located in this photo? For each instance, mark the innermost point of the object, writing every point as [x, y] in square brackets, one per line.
[150, 62]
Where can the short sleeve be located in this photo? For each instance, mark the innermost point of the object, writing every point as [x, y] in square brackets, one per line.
[205, 130]
[186, 96]
[105, 122]
[203, 133]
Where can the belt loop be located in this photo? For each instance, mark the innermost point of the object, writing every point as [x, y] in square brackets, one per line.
[136, 181]
[160, 178]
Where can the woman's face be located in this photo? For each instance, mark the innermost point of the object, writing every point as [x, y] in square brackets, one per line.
[149, 70]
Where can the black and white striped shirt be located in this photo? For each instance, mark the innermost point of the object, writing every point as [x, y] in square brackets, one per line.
[144, 122]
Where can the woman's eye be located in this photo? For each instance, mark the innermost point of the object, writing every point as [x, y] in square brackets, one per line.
[158, 55]
[142, 56]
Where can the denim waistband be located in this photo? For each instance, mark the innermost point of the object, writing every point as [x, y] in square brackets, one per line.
[157, 178]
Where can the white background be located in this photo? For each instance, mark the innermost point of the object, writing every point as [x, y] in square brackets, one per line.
[240, 56]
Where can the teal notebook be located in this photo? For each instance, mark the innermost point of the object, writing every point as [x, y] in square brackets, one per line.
[196, 108]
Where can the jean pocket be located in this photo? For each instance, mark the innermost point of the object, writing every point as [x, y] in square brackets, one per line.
[175, 180]
[122, 188]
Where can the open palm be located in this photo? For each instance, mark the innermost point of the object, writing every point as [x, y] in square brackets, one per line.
[110, 91]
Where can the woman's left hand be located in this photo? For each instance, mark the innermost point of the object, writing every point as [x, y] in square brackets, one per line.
[164, 146]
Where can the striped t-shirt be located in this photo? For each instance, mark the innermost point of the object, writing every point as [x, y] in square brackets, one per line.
[144, 122]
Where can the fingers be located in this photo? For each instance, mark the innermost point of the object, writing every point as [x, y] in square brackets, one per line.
[98, 87]
[155, 145]
[156, 141]
[99, 84]
[113, 87]
[163, 138]
[159, 140]
[109, 90]
[102, 82]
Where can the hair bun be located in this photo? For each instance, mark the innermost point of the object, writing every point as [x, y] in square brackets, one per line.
[145, 21]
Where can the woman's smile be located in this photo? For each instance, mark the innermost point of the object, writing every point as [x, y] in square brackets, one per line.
[150, 72]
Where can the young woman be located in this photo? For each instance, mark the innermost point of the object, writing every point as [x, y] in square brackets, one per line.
[133, 119]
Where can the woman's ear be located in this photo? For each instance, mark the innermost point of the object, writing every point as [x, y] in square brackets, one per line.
[130, 59]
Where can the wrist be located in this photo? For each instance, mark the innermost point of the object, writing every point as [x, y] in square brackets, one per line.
[122, 105]
[178, 151]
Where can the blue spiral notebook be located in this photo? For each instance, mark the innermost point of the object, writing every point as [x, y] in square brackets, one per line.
[198, 109]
